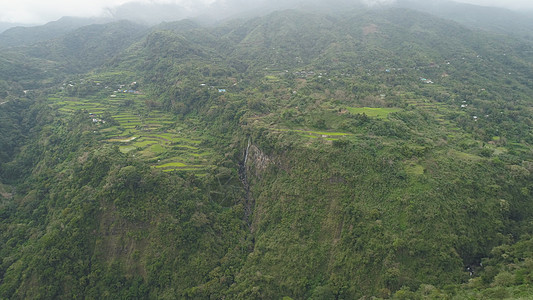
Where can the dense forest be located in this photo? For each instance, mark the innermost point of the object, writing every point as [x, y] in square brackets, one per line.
[381, 153]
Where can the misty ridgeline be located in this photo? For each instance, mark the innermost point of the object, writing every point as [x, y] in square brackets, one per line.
[321, 151]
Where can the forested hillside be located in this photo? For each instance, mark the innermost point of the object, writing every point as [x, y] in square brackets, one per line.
[24, 36]
[373, 153]
[498, 20]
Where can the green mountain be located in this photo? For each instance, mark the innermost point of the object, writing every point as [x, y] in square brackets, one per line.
[379, 153]
[24, 35]
[88, 47]
[48, 62]
[6, 25]
[485, 18]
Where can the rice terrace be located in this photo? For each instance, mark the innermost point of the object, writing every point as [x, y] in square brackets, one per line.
[121, 117]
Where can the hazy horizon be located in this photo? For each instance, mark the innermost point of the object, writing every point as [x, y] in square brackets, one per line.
[36, 12]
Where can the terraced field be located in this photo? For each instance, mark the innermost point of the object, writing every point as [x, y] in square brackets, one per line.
[70, 105]
[326, 135]
[152, 135]
[380, 113]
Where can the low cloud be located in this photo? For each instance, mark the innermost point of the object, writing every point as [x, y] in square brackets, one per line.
[511, 4]
[39, 11]
[378, 2]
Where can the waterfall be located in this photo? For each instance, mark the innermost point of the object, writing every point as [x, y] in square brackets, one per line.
[248, 201]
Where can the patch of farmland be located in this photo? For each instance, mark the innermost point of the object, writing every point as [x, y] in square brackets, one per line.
[154, 136]
[380, 113]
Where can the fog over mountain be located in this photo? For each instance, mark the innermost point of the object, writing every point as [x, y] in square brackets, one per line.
[155, 11]
[266, 149]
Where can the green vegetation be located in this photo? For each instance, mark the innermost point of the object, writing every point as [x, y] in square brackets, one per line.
[174, 164]
[381, 113]
[151, 134]
[293, 156]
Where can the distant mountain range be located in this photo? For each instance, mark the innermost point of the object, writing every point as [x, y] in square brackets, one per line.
[6, 25]
[21, 35]
[498, 20]
[493, 19]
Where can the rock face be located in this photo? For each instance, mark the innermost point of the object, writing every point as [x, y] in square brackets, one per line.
[257, 161]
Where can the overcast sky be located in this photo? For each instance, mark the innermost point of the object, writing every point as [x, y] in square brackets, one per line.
[42, 11]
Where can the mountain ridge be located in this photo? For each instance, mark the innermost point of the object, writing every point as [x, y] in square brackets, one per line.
[24, 36]
[493, 19]
[379, 153]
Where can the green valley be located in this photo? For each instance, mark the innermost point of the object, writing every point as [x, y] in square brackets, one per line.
[376, 153]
